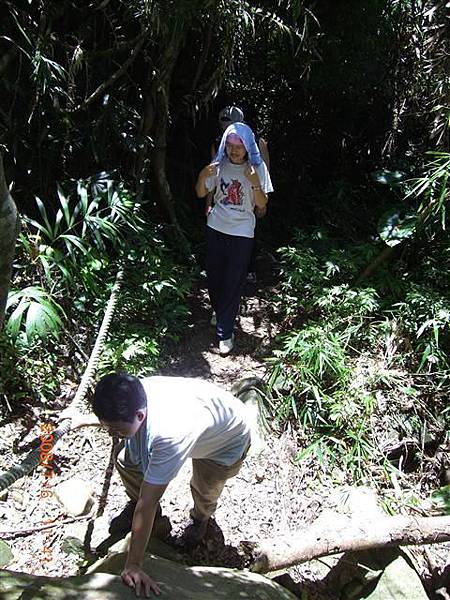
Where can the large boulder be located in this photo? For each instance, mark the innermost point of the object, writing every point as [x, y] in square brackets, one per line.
[177, 582]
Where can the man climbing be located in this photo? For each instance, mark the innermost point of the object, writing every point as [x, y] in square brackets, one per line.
[165, 420]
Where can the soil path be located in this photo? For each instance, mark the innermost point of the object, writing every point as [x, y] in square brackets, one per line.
[270, 496]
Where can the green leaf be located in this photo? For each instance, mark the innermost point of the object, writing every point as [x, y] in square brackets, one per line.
[47, 232]
[72, 545]
[43, 212]
[15, 320]
[441, 498]
[42, 313]
[73, 240]
[42, 318]
[83, 195]
[6, 554]
[65, 207]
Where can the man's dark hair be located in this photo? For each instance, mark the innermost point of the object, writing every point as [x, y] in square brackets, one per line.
[117, 397]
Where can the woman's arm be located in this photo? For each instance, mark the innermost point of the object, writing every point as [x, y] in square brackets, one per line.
[259, 194]
[208, 171]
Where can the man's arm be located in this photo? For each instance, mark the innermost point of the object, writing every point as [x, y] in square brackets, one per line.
[78, 419]
[144, 516]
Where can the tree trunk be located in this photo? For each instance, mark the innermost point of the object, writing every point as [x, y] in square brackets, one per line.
[346, 534]
[158, 156]
[152, 154]
[158, 153]
[9, 230]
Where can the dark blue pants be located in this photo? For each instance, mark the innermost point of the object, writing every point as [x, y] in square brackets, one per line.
[227, 258]
[252, 261]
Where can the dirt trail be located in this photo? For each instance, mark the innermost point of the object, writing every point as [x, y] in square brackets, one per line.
[197, 355]
[270, 496]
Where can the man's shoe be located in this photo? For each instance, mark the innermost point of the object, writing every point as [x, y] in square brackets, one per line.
[251, 277]
[161, 528]
[195, 533]
[226, 346]
[213, 321]
[121, 523]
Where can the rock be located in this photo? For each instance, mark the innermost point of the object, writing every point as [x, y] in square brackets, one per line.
[357, 501]
[20, 498]
[75, 495]
[379, 573]
[114, 561]
[6, 554]
[399, 581]
[177, 582]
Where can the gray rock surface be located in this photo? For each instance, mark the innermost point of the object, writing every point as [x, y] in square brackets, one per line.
[177, 582]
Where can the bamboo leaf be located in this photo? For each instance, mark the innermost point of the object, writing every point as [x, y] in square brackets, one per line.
[65, 207]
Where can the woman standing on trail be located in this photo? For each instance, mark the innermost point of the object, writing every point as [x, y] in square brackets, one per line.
[242, 181]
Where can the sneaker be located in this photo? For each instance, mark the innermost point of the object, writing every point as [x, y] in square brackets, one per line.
[121, 523]
[226, 346]
[251, 277]
[195, 533]
[161, 528]
[213, 320]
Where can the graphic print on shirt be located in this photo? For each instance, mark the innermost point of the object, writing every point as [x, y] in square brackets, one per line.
[232, 191]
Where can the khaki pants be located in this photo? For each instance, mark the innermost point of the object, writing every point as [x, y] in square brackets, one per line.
[207, 483]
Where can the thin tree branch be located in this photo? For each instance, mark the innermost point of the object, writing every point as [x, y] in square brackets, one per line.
[203, 57]
[94, 54]
[114, 77]
[18, 532]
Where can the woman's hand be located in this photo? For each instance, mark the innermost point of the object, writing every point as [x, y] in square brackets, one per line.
[210, 170]
[259, 194]
[252, 175]
[260, 211]
[135, 577]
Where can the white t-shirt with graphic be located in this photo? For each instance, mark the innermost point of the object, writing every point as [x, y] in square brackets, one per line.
[187, 418]
[234, 200]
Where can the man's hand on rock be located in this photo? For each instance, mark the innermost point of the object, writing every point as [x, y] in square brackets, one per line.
[136, 578]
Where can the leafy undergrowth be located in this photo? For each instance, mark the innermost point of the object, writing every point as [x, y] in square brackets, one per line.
[63, 275]
[362, 371]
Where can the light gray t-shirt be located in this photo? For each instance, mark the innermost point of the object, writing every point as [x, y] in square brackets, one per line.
[187, 418]
[234, 201]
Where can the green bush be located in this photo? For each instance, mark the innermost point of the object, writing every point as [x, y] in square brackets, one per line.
[65, 268]
[347, 341]
[425, 316]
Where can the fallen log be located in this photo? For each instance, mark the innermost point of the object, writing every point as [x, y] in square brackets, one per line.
[342, 535]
